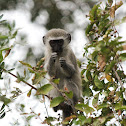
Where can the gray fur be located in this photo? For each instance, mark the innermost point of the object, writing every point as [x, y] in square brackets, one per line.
[63, 66]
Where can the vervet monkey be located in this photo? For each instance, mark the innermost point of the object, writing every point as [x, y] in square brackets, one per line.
[60, 62]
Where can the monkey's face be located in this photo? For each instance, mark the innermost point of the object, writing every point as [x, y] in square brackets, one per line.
[57, 45]
[56, 40]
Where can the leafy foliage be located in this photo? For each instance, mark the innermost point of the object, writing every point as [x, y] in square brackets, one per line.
[9, 34]
[104, 71]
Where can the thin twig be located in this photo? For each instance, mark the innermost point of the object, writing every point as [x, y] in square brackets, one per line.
[117, 76]
[21, 79]
[46, 109]
[36, 114]
[24, 81]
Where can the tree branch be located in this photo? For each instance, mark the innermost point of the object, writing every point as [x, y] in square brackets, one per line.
[117, 76]
[24, 81]
[21, 80]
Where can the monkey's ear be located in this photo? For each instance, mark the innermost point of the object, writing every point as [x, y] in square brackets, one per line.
[43, 39]
[69, 37]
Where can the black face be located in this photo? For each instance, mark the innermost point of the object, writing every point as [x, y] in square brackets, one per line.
[57, 45]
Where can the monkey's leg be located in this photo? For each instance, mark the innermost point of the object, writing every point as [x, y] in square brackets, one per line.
[67, 110]
[71, 86]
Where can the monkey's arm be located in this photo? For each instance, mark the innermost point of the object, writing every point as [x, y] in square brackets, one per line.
[51, 65]
[67, 68]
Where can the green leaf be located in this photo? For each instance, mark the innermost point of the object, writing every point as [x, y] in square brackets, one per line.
[19, 78]
[123, 55]
[1, 16]
[95, 100]
[56, 101]
[79, 63]
[123, 122]
[81, 120]
[49, 120]
[3, 106]
[69, 94]
[84, 108]
[44, 89]
[2, 65]
[124, 19]
[56, 81]
[40, 62]
[83, 71]
[88, 75]
[3, 21]
[110, 2]
[88, 29]
[2, 111]
[6, 48]
[3, 115]
[99, 121]
[29, 93]
[14, 35]
[3, 37]
[103, 105]
[95, 54]
[26, 64]
[95, 15]
[87, 91]
[30, 117]
[38, 77]
[98, 83]
[31, 70]
[5, 100]
[119, 106]
[1, 56]
[110, 66]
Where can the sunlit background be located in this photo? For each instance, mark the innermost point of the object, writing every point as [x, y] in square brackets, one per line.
[34, 18]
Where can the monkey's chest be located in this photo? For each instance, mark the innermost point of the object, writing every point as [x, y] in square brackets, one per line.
[59, 71]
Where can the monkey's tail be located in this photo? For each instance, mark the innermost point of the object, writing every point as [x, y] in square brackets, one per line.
[65, 115]
[67, 112]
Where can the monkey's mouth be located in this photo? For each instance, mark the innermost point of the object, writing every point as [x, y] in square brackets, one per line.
[58, 51]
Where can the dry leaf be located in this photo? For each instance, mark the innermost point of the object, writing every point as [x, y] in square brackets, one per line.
[102, 78]
[108, 77]
[124, 47]
[112, 12]
[116, 98]
[119, 112]
[7, 53]
[101, 62]
[112, 93]
[65, 88]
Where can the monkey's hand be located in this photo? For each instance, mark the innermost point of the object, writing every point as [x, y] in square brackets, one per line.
[53, 57]
[62, 61]
[67, 68]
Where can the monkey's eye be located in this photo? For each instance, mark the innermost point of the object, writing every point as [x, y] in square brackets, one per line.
[60, 42]
[52, 43]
